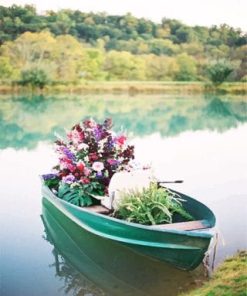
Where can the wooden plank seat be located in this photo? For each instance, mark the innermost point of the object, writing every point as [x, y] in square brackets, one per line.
[98, 209]
[190, 225]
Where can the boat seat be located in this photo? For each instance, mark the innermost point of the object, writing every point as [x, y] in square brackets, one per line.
[190, 225]
[98, 209]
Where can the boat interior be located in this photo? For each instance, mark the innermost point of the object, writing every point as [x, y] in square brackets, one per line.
[186, 226]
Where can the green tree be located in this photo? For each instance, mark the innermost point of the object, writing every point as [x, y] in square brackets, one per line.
[6, 69]
[187, 68]
[219, 72]
[69, 57]
[62, 24]
[92, 68]
[160, 46]
[185, 35]
[34, 77]
[29, 49]
[160, 68]
[124, 66]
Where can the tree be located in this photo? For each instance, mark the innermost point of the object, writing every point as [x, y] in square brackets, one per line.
[92, 68]
[187, 68]
[160, 46]
[6, 69]
[69, 58]
[185, 34]
[160, 68]
[63, 23]
[29, 49]
[124, 66]
[34, 77]
[219, 72]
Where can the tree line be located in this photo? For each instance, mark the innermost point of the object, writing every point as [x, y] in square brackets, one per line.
[69, 46]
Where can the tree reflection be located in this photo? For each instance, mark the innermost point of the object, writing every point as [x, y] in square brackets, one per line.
[27, 121]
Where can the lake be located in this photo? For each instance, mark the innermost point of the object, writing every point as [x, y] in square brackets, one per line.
[199, 139]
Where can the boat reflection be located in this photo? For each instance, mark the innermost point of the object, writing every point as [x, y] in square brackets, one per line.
[92, 265]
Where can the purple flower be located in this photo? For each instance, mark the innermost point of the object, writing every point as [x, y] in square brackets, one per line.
[99, 175]
[113, 161]
[68, 153]
[98, 133]
[68, 179]
[110, 143]
[49, 176]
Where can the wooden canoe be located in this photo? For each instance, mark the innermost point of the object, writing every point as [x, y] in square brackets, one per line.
[182, 244]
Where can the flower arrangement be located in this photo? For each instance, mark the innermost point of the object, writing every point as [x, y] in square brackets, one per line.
[88, 158]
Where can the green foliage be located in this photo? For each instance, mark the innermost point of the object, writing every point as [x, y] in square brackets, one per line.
[34, 78]
[6, 69]
[187, 68]
[151, 206]
[219, 72]
[74, 195]
[229, 279]
[52, 183]
[124, 66]
[65, 43]
[78, 195]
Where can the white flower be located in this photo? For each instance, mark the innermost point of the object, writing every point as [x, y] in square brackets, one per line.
[98, 166]
[82, 146]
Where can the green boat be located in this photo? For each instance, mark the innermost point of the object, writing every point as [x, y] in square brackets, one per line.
[182, 244]
[80, 256]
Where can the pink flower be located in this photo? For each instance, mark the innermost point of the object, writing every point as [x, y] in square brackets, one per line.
[70, 135]
[98, 166]
[71, 167]
[85, 180]
[76, 136]
[121, 140]
[89, 123]
[81, 166]
[93, 156]
[112, 161]
[86, 171]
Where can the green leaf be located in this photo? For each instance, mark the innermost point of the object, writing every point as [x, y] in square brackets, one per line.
[151, 206]
[75, 195]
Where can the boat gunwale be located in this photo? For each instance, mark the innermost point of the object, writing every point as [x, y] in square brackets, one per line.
[58, 201]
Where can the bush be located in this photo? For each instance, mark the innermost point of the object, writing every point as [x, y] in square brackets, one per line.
[34, 77]
[219, 72]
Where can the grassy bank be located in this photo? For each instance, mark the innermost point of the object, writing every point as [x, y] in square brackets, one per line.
[131, 87]
[230, 279]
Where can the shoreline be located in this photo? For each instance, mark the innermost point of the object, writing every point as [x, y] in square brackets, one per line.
[230, 278]
[131, 88]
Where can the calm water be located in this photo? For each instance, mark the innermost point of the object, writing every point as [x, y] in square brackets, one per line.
[202, 140]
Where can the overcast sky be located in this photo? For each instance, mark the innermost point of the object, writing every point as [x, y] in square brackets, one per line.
[191, 12]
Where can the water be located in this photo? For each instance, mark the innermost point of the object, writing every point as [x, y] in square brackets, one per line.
[202, 140]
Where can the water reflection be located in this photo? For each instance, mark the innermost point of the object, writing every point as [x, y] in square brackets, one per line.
[200, 140]
[97, 266]
[26, 121]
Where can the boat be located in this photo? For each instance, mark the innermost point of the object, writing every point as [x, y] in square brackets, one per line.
[98, 263]
[182, 244]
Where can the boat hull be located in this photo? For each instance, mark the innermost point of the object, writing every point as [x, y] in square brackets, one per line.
[183, 249]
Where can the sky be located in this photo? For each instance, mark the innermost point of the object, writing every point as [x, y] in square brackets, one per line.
[190, 12]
